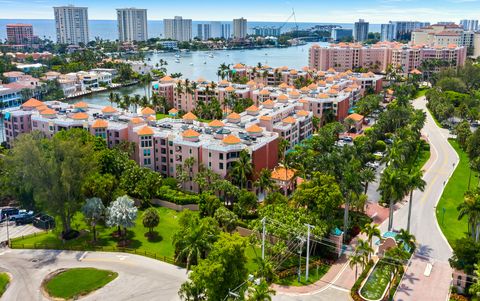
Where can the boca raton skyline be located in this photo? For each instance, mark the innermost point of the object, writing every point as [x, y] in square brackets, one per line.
[307, 11]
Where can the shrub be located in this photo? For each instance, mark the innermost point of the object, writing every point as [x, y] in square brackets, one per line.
[175, 196]
[380, 146]
[458, 297]
[354, 291]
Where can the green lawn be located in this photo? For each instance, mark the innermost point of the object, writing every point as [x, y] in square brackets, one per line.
[161, 116]
[452, 196]
[315, 273]
[423, 156]
[377, 281]
[73, 283]
[421, 92]
[161, 245]
[4, 281]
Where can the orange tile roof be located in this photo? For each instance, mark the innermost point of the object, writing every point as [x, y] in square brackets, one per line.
[268, 102]
[355, 116]
[264, 92]
[321, 73]
[173, 111]
[233, 116]
[303, 113]
[166, 79]
[231, 139]
[416, 71]
[136, 120]
[41, 108]
[230, 89]
[331, 70]
[312, 86]
[304, 89]
[279, 173]
[293, 72]
[81, 105]
[254, 129]
[109, 109]
[189, 116]
[302, 100]
[190, 133]
[224, 82]
[289, 120]
[146, 130]
[251, 83]
[322, 95]
[264, 117]
[148, 111]
[282, 97]
[283, 86]
[32, 103]
[294, 93]
[216, 123]
[80, 116]
[322, 83]
[48, 112]
[252, 108]
[100, 123]
[151, 118]
[238, 66]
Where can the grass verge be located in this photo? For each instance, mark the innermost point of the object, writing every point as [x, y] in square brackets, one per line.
[4, 281]
[378, 281]
[446, 212]
[76, 282]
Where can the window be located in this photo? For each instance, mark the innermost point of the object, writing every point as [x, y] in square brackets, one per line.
[220, 166]
[147, 161]
[220, 156]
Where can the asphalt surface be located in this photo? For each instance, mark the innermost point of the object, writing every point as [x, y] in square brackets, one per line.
[139, 278]
[424, 225]
[16, 231]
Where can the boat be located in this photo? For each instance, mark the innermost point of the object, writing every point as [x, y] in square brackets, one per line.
[177, 60]
[205, 62]
[210, 55]
[177, 56]
[191, 64]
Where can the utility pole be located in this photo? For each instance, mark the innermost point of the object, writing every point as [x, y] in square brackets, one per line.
[308, 249]
[263, 238]
[8, 234]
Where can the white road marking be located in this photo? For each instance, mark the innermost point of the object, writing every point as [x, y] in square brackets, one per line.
[83, 256]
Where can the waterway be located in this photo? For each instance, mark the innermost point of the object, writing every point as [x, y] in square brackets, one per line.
[196, 64]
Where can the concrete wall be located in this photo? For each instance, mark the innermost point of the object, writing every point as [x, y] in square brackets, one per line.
[193, 207]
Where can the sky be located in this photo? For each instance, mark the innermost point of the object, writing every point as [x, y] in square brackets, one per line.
[318, 11]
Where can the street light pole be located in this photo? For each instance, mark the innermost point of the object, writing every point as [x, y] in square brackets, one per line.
[308, 250]
[263, 238]
[8, 233]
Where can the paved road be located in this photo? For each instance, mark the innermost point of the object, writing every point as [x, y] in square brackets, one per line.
[424, 223]
[16, 231]
[139, 278]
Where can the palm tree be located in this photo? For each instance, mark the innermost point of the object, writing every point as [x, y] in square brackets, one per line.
[261, 292]
[364, 250]
[367, 175]
[264, 181]
[471, 208]
[392, 188]
[283, 145]
[241, 169]
[355, 260]
[371, 230]
[414, 181]
[406, 238]
[111, 98]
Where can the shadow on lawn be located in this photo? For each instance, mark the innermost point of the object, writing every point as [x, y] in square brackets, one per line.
[154, 236]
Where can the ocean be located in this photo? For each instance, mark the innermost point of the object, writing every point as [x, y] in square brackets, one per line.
[107, 29]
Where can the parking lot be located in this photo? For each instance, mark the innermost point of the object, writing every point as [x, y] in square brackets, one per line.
[16, 231]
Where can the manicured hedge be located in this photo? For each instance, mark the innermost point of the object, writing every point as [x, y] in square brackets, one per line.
[356, 287]
[178, 197]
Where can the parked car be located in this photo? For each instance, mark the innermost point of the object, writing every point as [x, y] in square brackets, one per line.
[347, 139]
[44, 221]
[379, 154]
[23, 217]
[373, 165]
[7, 211]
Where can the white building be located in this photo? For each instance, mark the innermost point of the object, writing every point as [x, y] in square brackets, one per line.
[216, 29]
[178, 29]
[132, 24]
[168, 44]
[387, 32]
[360, 31]
[71, 24]
[204, 31]
[240, 28]
[470, 25]
[140, 67]
[226, 31]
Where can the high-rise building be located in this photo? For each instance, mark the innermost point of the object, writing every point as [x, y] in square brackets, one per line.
[204, 31]
[387, 32]
[470, 25]
[216, 29]
[226, 31]
[240, 28]
[265, 31]
[71, 23]
[404, 29]
[360, 31]
[340, 34]
[20, 34]
[178, 29]
[132, 24]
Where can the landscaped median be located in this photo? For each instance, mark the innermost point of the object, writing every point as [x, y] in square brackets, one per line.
[70, 284]
[4, 282]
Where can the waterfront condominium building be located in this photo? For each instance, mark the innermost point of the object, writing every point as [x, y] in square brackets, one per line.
[216, 29]
[404, 29]
[20, 34]
[132, 24]
[339, 34]
[387, 32]
[240, 28]
[360, 31]
[347, 56]
[204, 31]
[71, 23]
[226, 31]
[470, 25]
[178, 29]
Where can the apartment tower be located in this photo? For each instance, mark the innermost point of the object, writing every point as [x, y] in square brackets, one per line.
[132, 24]
[71, 24]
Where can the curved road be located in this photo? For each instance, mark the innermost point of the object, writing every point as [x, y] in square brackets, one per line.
[139, 278]
[424, 224]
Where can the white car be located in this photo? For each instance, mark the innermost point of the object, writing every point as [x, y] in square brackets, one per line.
[379, 154]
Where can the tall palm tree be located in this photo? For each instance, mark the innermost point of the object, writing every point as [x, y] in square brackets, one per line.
[264, 181]
[371, 230]
[283, 146]
[471, 208]
[367, 175]
[242, 169]
[414, 181]
[392, 188]
[355, 260]
[261, 292]
[364, 250]
[111, 98]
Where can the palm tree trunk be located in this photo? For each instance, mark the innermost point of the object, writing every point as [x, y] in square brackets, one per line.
[390, 217]
[345, 219]
[409, 211]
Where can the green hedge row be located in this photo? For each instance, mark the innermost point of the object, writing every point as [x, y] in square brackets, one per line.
[178, 197]
[356, 287]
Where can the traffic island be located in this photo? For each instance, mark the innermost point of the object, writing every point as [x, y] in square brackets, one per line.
[71, 284]
[4, 282]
